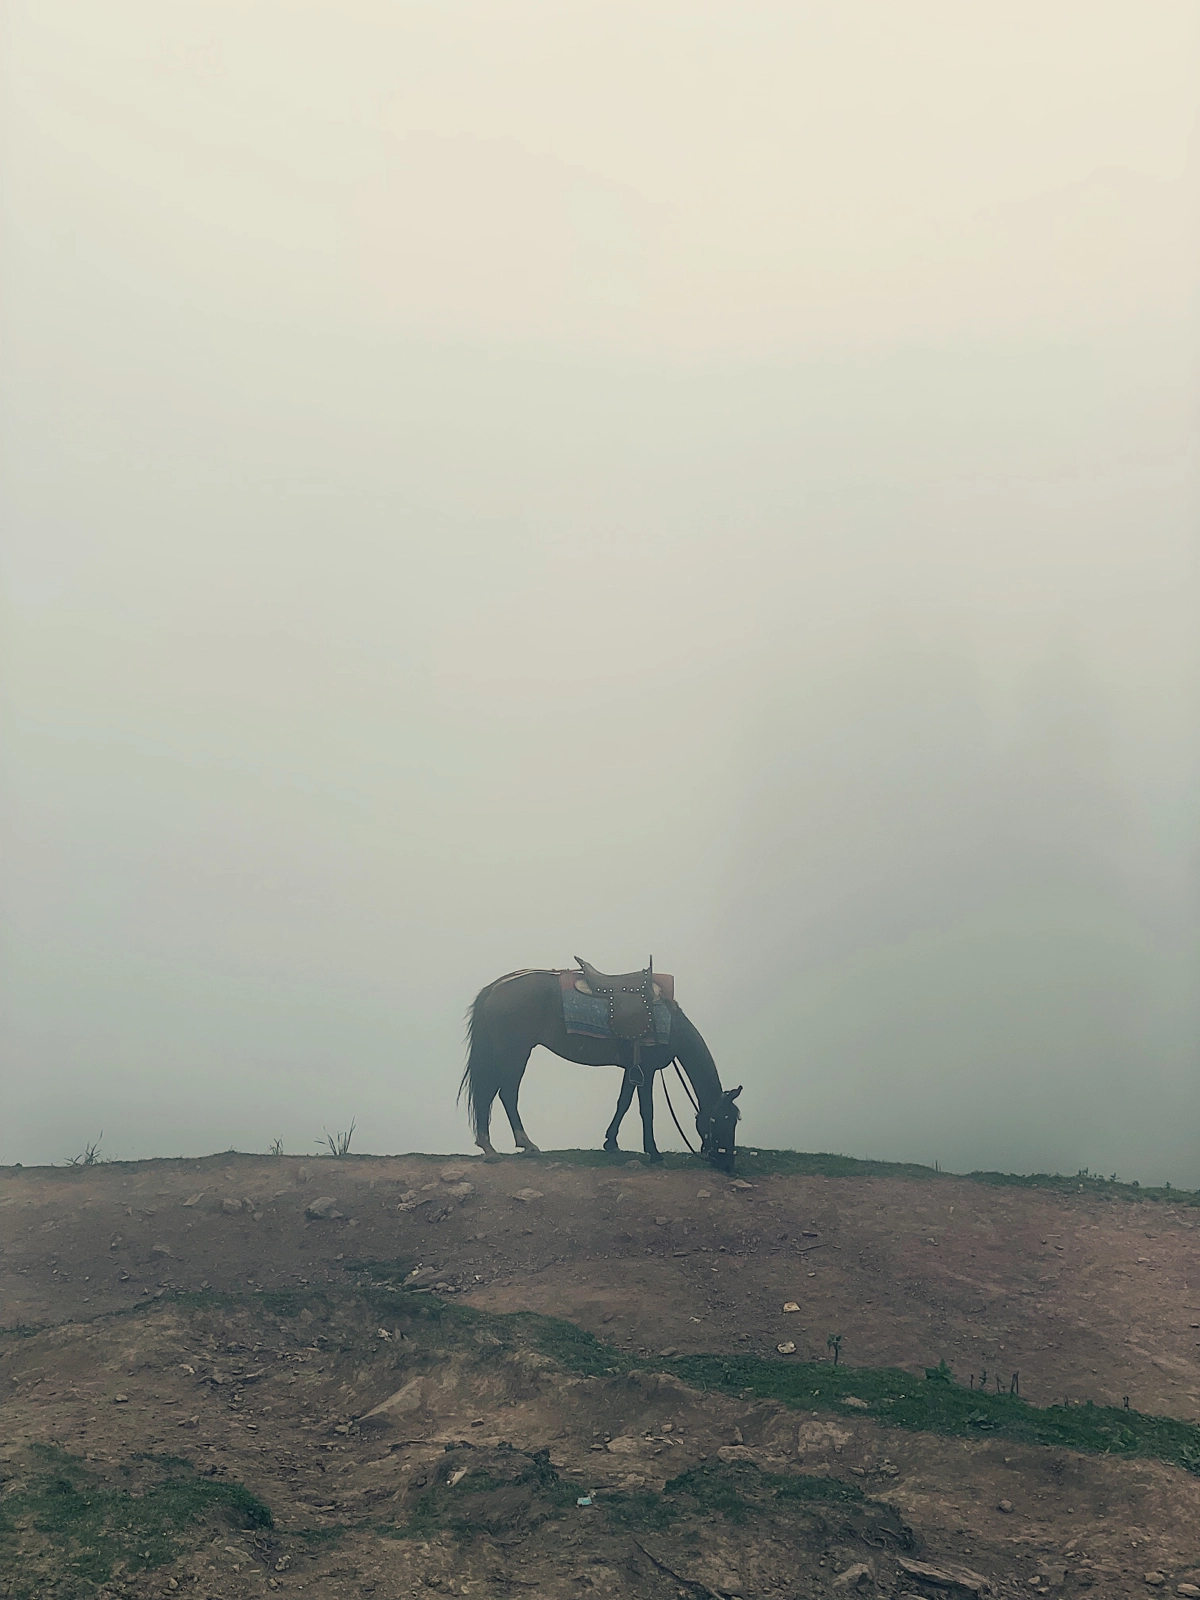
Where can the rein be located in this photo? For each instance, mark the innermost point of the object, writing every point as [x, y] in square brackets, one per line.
[671, 1109]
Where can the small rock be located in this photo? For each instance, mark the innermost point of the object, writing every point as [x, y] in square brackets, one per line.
[323, 1208]
[661, 1222]
[160, 1249]
[853, 1575]
[703, 1194]
[461, 1191]
[1004, 1505]
[740, 1185]
[283, 1563]
[636, 1164]
[231, 1207]
[854, 1400]
[671, 1350]
[1190, 1590]
[301, 1174]
[419, 1277]
[452, 1174]
[790, 1305]
[526, 1195]
[195, 1199]
[1154, 1579]
[788, 1348]
[120, 1399]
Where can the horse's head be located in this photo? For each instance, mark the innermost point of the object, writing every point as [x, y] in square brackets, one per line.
[717, 1128]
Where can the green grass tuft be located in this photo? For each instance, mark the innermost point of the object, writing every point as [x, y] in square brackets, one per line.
[64, 1530]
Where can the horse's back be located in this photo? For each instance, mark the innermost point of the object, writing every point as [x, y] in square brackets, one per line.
[522, 1001]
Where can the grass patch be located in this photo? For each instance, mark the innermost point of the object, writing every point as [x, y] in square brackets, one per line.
[502, 1490]
[762, 1163]
[64, 1529]
[892, 1396]
[492, 1492]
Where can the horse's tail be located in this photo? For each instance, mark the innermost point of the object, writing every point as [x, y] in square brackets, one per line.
[479, 1079]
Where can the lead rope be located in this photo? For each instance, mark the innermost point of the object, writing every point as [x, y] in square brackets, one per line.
[687, 1088]
[671, 1109]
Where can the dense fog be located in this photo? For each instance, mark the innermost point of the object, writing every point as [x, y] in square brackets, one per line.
[489, 484]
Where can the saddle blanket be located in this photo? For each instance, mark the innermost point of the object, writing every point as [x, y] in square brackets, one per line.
[587, 1014]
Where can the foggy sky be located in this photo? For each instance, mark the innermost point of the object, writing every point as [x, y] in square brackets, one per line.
[483, 484]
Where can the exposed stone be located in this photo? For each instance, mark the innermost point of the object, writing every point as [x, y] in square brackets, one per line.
[740, 1185]
[819, 1438]
[322, 1209]
[787, 1348]
[790, 1305]
[406, 1399]
[1189, 1590]
[461, 1191]
[1154, 1579]
[860, 1572]
[1004, 1505]
[854, 1400]
[231, 1207]
[160, 1249]
[452, 1174]
[526, 1195]
[946, 1577]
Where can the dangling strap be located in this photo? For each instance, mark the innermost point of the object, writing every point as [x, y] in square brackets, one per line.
[674, 1118]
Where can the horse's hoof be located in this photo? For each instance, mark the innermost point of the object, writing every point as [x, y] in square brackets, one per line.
[654, 1157]
[612, 1147]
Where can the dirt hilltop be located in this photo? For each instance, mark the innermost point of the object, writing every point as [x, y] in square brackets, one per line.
[252, 1374]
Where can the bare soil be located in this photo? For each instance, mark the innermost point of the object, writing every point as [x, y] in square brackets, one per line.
[146, 1327]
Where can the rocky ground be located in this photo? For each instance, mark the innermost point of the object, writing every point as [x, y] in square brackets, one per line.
[211, 1386]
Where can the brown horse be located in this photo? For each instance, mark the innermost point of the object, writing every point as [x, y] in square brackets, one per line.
[524, 1009]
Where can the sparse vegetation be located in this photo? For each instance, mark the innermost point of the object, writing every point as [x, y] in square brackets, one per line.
[338, 1143]
[763, 1163]
[89, 1156]
[65, 1529]
[834, 1343]
[276, 1147]
[897, 1398]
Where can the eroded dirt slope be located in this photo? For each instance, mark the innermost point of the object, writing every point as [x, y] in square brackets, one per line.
[164, 1335]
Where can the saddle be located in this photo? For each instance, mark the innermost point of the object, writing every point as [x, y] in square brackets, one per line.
[630, 997]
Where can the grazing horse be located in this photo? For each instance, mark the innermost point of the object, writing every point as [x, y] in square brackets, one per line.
[524, 1009]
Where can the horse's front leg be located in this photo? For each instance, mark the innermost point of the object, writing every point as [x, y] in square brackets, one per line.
[646, 1107]
[624, 1101]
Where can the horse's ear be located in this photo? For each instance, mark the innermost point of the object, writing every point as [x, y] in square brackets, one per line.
[733, 1093]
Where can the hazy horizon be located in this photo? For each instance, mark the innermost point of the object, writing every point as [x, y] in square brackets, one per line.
[482, 486]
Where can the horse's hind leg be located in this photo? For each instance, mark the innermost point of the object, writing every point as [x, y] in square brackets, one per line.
[510, 1084]
[624, 1101]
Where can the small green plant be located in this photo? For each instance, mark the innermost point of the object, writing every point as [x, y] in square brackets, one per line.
[339, 1143]
[89, 1156]
[834, 1343]
[276, 1147]
[939, 1374]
